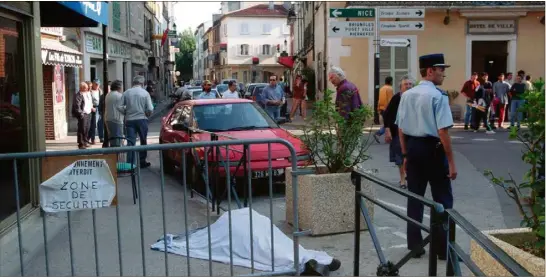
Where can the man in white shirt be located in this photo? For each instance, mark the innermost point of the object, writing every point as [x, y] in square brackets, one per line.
[81, 109]
[113, 113]
[95, 93]
[137, 105]
[232, 91]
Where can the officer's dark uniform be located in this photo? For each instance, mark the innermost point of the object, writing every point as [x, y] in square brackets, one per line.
[424, 110]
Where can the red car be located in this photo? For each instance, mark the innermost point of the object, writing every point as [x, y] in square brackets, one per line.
[228, 119]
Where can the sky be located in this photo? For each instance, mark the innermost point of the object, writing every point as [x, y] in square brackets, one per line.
[191, 14]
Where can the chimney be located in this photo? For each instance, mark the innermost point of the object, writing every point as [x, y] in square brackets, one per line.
[271, 5]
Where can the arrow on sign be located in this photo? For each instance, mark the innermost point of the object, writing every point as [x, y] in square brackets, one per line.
[419, 25]
[335, 29]
[419, 12]
[336, 13]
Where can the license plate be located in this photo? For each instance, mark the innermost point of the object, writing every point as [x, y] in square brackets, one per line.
[263, 174]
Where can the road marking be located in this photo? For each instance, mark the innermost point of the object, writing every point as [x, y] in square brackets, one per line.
[484, 139]
[514, 141]
[455, 137]
[399, 246]
[400, 234]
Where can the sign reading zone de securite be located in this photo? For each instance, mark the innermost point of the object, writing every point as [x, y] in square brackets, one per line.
[85, 184]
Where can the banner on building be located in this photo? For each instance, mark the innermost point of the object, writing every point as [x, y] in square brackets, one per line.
[52, 57]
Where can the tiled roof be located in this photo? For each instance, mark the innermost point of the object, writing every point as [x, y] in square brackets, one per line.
[261, 10]
[445, 3]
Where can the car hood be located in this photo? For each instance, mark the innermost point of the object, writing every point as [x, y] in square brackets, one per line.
[258, 151]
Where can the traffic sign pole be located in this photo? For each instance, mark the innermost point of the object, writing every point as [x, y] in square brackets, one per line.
[376, 67]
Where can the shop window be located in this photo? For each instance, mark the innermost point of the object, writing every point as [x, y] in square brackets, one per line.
[234, 76]
[12, 116]
[394, 62]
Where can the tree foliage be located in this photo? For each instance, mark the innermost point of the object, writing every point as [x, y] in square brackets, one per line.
[533, 155]
[184, 58]
[332, 140]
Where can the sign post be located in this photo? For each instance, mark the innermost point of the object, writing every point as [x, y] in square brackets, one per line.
[376, 68]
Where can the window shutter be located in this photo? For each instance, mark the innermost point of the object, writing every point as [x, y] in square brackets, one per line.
[238, 50]
[272, 49]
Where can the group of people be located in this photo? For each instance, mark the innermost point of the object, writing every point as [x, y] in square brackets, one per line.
[125, 114]
[489, 103]
[416, 121]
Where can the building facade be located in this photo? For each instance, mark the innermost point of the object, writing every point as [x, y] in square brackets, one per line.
[24, 87]
[247, 42]
[488, 37]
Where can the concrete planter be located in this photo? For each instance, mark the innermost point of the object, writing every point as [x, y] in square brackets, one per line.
[326, 202]
[491, 267]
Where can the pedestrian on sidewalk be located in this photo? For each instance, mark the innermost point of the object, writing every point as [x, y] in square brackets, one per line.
[501, 88]
[424, 118]
[273, 98]
[385, 95]
[482, 102]
[114, 113]
[138, 108]
[102, 109]
[469, 90]
[298, 98]
[82, 107]
[516, 97]
[391, 129]
[95, 126]
[347, 94]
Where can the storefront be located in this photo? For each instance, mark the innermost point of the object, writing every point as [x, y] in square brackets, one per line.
[139, 60]
[22, 103]
[119, 56]
[60, 69]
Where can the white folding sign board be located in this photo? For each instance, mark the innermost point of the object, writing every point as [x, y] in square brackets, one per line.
[85, 184]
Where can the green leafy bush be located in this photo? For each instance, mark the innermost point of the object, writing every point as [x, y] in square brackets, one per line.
[334, 142]
[533, 155]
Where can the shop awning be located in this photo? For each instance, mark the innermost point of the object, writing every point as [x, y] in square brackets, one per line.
[55, 53]
[286, 61]
[73, 14]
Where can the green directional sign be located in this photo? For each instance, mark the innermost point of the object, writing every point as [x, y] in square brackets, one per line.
[335, 13]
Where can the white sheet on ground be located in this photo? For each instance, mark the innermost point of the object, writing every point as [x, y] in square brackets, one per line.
[240, 222]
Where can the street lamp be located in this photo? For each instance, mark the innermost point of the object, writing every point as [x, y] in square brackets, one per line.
[177, 73]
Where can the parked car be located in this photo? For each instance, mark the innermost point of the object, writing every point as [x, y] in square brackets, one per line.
[250, 88]
[257, 89]
[221, 88]
[193, 121]
[226, 81]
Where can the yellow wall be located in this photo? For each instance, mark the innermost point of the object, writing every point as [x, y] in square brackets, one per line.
[448, 39]
[530, 45]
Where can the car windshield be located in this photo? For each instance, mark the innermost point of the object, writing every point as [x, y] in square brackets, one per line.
[231, 117]
[257, 89]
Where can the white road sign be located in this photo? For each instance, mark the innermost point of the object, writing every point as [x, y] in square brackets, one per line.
[401, 13]
[402, 26]
[356, 29]
[85, 184]
[395, 42]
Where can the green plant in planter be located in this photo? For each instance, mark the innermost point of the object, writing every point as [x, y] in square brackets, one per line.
[533, 155]
[334, 142]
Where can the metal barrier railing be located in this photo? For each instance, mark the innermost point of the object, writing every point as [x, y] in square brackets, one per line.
[217, 147]
[439, 218]
[456, 253]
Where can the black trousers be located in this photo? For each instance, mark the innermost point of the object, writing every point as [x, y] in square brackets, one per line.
[427, 163]
[92, 126]
[83, 128]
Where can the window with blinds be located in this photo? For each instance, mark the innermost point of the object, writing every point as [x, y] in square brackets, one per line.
[394, 61]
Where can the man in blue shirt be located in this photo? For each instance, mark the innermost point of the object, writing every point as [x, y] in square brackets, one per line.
[273, 98]
[424, 118]
[207, 91]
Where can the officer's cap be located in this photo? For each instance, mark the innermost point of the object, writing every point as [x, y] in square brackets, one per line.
[432, 60]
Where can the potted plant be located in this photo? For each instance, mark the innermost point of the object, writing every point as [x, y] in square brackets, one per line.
[525, 245]
[336, 146]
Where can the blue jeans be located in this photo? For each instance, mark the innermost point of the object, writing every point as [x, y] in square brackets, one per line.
[514, 106]
[100, 126]
[134, 127]
[467, 115]
[274, 112]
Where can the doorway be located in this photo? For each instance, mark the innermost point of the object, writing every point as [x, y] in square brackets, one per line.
[93, 73]
[490, 57]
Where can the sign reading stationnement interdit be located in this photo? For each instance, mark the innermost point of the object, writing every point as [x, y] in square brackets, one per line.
[85, 184]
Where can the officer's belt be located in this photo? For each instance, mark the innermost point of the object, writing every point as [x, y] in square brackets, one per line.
[429, 139]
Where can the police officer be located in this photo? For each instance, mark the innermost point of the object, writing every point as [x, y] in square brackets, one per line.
[424, 118]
